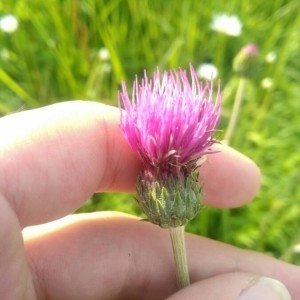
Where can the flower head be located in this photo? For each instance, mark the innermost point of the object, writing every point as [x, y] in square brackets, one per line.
[207, 71]
[9, 23]
[169, 122]
[271, 57]
[267, 83]
[104, 54]
[228, 24]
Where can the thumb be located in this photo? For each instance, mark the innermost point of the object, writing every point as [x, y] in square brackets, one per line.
[234, 286]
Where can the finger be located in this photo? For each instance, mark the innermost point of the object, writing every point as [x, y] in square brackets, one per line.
[236, 285]
[110, 255]
[230, 178]
[54, 158]
[15, 279]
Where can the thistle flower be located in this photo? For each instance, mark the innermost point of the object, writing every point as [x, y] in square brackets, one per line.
[169, 122]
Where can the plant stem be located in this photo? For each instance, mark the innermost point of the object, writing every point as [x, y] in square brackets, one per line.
[236, 108]
[179, 250]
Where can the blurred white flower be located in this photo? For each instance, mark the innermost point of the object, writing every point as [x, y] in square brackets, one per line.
[9, 23]
[207, 71]
[103, 54]
[296, 249]
[228, 24]
[267, 83]
[4, 54]
[106, 67]
[271, 57]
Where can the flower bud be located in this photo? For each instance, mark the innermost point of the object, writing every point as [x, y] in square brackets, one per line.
[169, 200]
[246, 63]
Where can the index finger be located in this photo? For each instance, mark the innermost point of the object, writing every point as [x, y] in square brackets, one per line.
[54, 158]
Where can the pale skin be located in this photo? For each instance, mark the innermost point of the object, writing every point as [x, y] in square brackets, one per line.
[52, 160]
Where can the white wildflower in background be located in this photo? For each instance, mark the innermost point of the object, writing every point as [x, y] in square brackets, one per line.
[228, 24]
[104, 58]
[267, 83]
[106, 68]
[207, 71]
[271, 57]
[4, 54]
[296, 249]
[103, 54]
[9, 23]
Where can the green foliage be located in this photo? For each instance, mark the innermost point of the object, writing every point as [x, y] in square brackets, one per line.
[53, 56]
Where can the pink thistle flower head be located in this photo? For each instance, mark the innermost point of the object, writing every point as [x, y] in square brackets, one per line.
[169, 121]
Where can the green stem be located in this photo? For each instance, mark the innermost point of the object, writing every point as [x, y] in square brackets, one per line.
[179, 250]
[221, 46]
[236, 108]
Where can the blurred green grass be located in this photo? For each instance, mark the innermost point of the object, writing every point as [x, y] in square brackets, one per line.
[54, 56]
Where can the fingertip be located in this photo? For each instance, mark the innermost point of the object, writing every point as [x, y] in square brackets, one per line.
[230, 179]
[240, 286]
[265, 288]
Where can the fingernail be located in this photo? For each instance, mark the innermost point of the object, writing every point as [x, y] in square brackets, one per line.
[267, 289]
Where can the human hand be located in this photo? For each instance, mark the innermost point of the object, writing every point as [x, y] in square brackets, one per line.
[52, 160]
